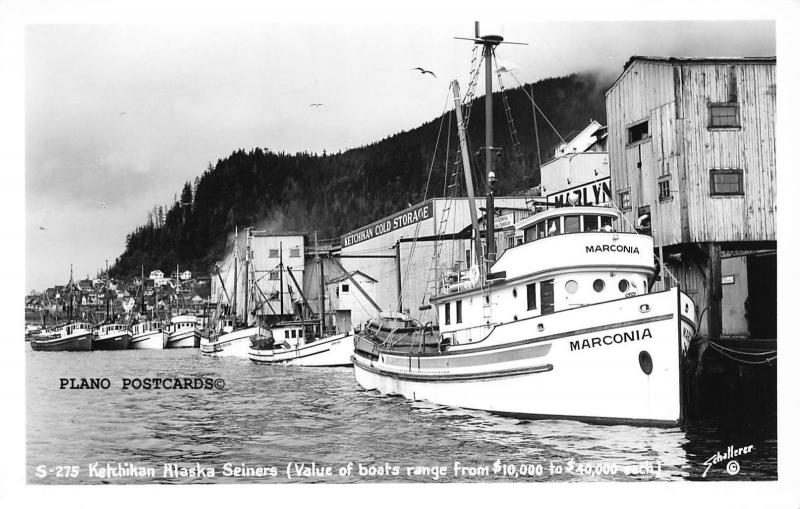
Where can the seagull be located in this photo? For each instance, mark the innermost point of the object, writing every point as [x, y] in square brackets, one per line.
[316, 105]
[423, 71]
[41, 228]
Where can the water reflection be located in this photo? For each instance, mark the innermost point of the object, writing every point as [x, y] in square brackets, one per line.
[273, 415]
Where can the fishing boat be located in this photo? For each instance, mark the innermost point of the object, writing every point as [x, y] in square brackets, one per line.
[184, 331]
[229, 336]
[303, 343]
[112, 336]
[290, 343]
[73, 337]
[149, 335]
[562, 325]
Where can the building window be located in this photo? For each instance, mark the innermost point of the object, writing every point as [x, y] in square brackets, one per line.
[294, 252]
[345, 288]
[447, 314]
[726, 182]
[639, 132]
[273, 253]
[625, 200]
[723, 115]
[458, 311]
[531, 296]
[274, 275]
[664, 192]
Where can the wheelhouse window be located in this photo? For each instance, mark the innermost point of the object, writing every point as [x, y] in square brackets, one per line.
[553, 226]
[458, 311]
[345, 288]
[723, 115]
[531, 296]
[572, 224]
[591, 223]
[726, 183]
[639, 131]
[606, 223]
[447, 313]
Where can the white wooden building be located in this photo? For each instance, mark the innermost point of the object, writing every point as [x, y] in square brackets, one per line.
[691, 143]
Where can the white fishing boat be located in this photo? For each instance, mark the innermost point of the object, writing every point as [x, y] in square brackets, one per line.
[290, 343]
[149, 335]
[561, 326]
[228, 336]
[184, 331]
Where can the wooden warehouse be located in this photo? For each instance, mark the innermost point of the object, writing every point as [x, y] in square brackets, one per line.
[691, 146]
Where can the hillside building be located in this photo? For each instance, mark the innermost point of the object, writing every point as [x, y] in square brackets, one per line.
[579, 165]
[691, 144]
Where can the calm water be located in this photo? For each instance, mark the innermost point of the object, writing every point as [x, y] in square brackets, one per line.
[268, 416]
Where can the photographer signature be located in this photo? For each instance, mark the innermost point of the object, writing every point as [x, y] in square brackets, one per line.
[731, 452]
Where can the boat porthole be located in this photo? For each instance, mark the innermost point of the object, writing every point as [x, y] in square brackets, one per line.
[598, 285]
[623, 285]
[645, 362]
[686, 308]
[540, 327]
[515, 318]
[514, 292]
[572, 286]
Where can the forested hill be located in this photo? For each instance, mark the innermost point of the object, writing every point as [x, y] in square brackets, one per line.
[336, 193]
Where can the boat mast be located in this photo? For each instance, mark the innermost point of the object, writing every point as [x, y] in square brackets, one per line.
[107, 298]
[246, 275]
[321, 287]
[235, 271]
[142, 307]
[280, 274]
[473, 212]
[178, 287]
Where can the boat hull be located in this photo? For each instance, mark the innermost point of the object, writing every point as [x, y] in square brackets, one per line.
[232, 344]
[155, 340]
[77, 343]
[589, 364]
[112, 342]
[328, 352]
[183, 339]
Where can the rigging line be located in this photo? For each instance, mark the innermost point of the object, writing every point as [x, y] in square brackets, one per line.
[740, 352]
[427, 184]
[537, 107]
[536, 132]
[722, 352]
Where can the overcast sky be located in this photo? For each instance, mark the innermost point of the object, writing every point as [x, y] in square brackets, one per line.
[119, 116]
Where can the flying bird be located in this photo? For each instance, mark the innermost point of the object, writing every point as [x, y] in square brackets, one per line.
[423, 71]
[316, 105]
[41, 227]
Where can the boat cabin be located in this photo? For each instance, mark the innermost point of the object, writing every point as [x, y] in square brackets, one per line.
[292, 334]
[145, 327]
[111, 328]
[184, 322]
[76, 328]
[566, 257]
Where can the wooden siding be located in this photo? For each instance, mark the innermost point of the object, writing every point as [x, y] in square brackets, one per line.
[674, 98]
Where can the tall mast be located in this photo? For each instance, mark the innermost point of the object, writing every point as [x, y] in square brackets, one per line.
[178, 287]
[142, 308]
[489, 42]
[280, 275]
[107, 298]
[473, 212]
[235, 271]
[246, 274]
[321, 287]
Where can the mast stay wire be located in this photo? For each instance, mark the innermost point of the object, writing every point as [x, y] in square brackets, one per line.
[427, 185]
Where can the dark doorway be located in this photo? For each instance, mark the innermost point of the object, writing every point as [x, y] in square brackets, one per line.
[761, 305]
